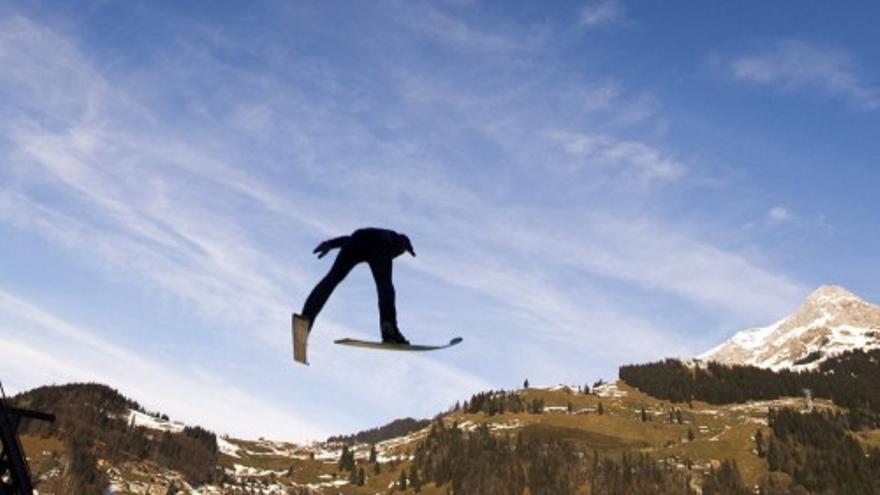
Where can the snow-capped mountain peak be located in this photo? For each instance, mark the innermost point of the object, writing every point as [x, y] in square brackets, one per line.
[832, 294]
[830, 321]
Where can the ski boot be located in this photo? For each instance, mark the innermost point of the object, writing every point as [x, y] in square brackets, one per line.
[391, 334]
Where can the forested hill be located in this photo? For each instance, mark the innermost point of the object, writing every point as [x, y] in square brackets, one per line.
[76, 397]
[396, 428]
[820, 451]
[95, 422]
[851, 380]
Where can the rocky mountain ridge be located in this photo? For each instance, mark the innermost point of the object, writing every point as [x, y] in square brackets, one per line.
[830, 321]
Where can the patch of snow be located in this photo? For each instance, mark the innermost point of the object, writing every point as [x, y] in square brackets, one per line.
[467, 425]
[396, 442]
[328, 484]
[240, 470]
[227, 447]
[510, 425]
[138, 418]
[272, 448]
[609, 390]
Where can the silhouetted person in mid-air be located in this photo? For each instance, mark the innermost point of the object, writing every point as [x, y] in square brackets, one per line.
[377, 248]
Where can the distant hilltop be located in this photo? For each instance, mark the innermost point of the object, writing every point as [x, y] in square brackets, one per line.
[830, 321]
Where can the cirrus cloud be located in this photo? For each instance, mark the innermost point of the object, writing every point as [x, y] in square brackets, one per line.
[794, 65]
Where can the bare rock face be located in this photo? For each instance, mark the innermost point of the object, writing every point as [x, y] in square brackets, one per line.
[830, 321]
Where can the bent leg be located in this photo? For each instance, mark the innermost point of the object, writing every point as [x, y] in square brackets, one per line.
[315, 302]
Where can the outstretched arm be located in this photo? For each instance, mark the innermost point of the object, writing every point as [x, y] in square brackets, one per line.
[329, 244]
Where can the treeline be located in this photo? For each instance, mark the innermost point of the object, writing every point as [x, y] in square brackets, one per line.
[849, 380]
[640, 473]
[394, 429]
[480, 462]
[93, 421]
[499, 402]
[819, 454]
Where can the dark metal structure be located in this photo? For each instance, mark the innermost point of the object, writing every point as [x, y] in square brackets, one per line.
[15, 477]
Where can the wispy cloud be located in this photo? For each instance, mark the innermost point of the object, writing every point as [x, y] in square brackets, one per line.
[794, 65]
[40, 347]
[601, 12]
[456, 32]
[779, 214]
[645, 163]
[602, 97]
[655, 256]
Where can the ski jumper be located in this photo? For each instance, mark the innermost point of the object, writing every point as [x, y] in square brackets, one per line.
[377, 248]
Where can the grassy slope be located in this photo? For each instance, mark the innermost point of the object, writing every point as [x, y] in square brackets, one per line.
[44, 457]
[721, 432]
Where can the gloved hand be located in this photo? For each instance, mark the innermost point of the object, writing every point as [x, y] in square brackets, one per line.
[322, 249]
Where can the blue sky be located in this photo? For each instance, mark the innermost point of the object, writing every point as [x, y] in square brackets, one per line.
[586, 184]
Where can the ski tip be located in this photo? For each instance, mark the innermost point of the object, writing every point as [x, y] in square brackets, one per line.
[455, 341]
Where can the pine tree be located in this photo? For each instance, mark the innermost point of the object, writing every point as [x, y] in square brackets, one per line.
[774, 456]
[401, 482]
[600, 409]
[415, 482]
[759, 444]
[526, 383]
[570, 407]
[346, 459]
[373, 453]
[361, 477]
[537, 406]
[726, 480]
[691, 435]
[644, 415]
[377, 468]
[343, 457]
